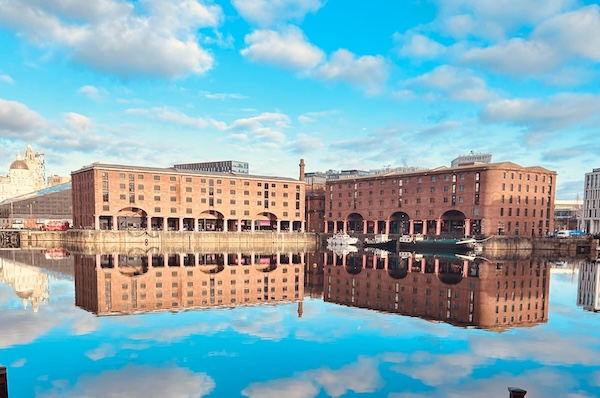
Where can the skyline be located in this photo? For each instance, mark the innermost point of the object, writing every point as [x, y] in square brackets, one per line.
[340, 84]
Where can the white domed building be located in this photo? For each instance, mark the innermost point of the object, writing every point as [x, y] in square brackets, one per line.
[26, 174]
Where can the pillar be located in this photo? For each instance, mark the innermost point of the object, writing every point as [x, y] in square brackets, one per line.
[180, 226]
[387, 226]
[302, 226]
[364, 231]
[252, 225]
[96, 222]
[465, 268]
[239, 225]
[410, 261]
[114, 225]
[438, 227]
[424, 227]
[467, 226]
[278, 226]
[437, 266]
[225, 222]
[411, 228]
[326, 227]
[165, 224]
[345, 229]
[376, 227]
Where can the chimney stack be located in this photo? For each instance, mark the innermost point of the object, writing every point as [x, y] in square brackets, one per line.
[301, 170]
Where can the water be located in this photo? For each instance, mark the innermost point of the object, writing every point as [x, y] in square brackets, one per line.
[360, 325]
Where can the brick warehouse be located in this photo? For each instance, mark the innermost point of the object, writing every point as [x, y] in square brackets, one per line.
[117, 197]
[471, 199]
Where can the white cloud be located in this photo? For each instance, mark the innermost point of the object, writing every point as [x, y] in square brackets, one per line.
[93, 92]
[104, 351]
[576, 33]
[137, 381]
[516, 56]
[457, 83]
[174, 116]
[266, 126]
[17, 120]
[306, 144]
[287, 49]
[369, 72]
[78, 123]
[223, 96]
[7, 79]
[268, 12]
[311, 117]
[416, 45]
[495, 18]
[289, 388]
[360, 377]
[114, 37]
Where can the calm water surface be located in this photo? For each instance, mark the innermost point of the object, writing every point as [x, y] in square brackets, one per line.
[292, 325]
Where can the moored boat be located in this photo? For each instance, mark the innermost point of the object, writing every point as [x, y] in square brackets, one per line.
[341, 238]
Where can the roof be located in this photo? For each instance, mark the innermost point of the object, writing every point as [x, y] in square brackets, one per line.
[173, 170]
[18, 165]
[41, 192]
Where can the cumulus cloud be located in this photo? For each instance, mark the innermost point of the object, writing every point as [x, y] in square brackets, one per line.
[267, 126]
[495, 19]
[457, 83]
[555, 113]
[369, 72]
[174, 116]
[148, 38]
[104, 351]
[138, 381]
[17, 120]
[92, 92]
[288, 49]
[310, 117]
[223, 96]
[416, 45]
[268, 12]
[292, 388]
[78, 123]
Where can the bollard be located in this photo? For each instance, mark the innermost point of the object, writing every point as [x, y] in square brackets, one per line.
[3, 383]
[516, 392]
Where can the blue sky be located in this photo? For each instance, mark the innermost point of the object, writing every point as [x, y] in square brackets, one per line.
[342, 84]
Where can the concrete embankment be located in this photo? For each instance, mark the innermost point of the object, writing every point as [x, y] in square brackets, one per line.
[528, 247]
[170, 241]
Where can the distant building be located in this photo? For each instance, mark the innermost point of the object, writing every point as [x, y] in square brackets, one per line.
[225, 166]
[55, 180]
[26, 174]
[30, 283]
[588, 287]
[567, 214]
[31, 210]
[472, 158]
[591, 202]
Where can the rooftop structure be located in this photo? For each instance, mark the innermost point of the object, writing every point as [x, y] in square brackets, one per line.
[472, 158]
[225, 166]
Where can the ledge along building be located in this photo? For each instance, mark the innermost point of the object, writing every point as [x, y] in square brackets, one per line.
[119, 197]
[472, 199]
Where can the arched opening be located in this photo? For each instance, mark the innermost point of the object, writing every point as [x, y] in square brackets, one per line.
[399, 223]
[453, 223]
[265, 221]
[131, 218]
[210, 220]
[132, 265]
[450, 273]
[355, 223]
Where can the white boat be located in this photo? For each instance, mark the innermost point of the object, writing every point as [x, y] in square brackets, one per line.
[380, 238]
[410, 238]
[341, 238]
[342, 250]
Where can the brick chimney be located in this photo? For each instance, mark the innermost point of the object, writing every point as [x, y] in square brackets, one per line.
[301, 170]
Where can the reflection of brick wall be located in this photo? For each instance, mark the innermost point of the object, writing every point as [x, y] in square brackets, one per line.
[105, 290]
[453, 291]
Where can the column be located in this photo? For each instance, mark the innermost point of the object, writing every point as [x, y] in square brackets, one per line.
[252, 225]
[225, 222]
[181, 261]
[326, 227]
[114, 225]
[410, 261]
[424, 227]
[302, 226]
[345, 229]
[239, 225]
[411, 228]
[387, 226]
[467, 226]
[96, 222]
[180, 226]
[364, 261]
[423, 263]
[376, 227]
[165, 224]
[466, 268]
[148, 223]
[364, 231]
[438, 227]
[278, 226]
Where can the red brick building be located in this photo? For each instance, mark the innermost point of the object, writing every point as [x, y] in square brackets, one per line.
[472, 199]
[118, 197]
[448, 289]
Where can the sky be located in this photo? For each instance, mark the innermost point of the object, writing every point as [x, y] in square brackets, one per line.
[342, 84]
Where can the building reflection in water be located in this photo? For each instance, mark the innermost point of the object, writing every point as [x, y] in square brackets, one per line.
[125, 284]
[588, 286]
[454, 289]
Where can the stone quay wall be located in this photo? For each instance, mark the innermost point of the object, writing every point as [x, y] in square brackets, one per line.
[527, 247]
[170, 241]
